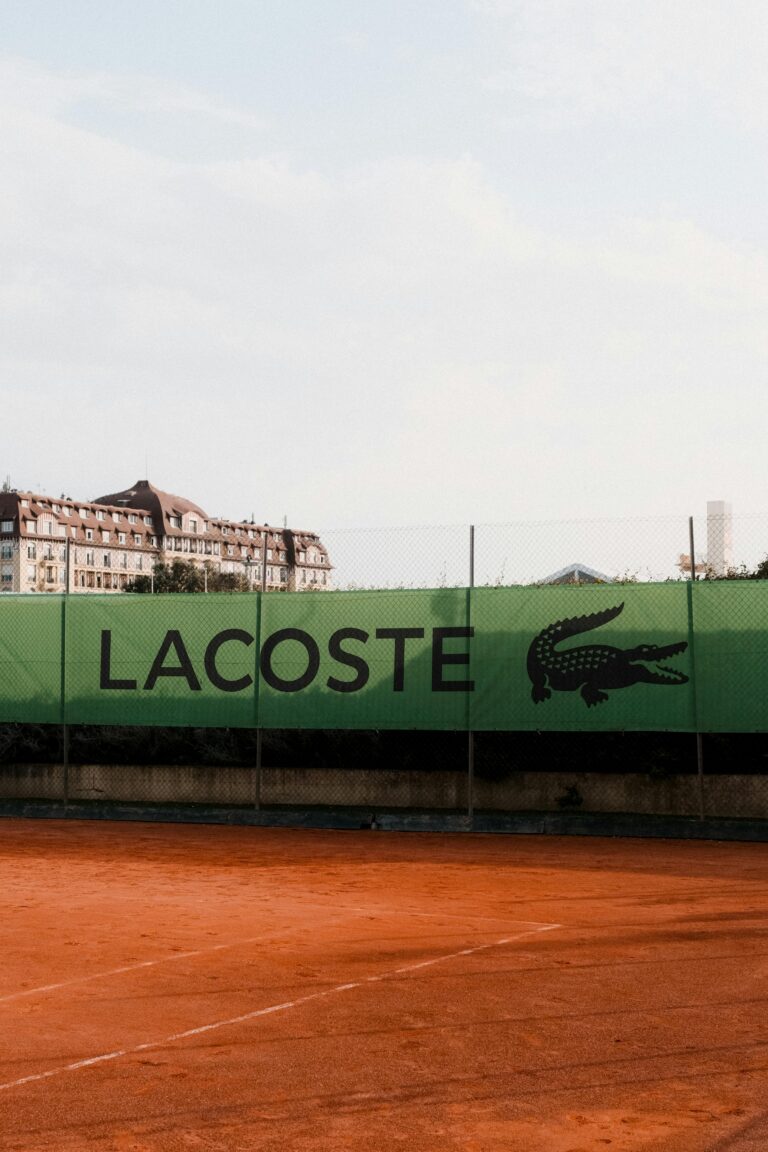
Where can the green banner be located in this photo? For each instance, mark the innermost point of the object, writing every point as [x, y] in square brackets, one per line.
[731, 654]
[675, 656]
[31, 630]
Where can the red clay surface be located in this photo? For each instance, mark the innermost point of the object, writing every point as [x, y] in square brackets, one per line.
[421, 996]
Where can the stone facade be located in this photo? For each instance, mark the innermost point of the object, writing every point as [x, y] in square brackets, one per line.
[104, 544]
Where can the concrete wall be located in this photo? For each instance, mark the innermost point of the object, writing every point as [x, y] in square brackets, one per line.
[727, 796]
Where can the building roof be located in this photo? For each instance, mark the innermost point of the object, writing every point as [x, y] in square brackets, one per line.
[160, 504]
[576, 574]
[151, 510]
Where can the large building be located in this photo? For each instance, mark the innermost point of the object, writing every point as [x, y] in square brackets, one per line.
[102, 545]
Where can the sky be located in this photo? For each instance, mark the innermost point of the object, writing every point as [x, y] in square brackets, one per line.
[414, 262]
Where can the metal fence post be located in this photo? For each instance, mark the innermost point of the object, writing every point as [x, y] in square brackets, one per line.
[259, 730]
[64, 725]
[470, 733]
[699, 742]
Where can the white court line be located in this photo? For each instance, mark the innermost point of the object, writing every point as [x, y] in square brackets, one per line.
[106, 1056]
[373, 912]
[436, 915]
[277, 934]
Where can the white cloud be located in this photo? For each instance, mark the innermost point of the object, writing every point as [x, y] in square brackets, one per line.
[27, 86]
[572, 61]
[387, 341]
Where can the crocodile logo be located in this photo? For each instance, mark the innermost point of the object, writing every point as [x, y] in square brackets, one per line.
[593, 667]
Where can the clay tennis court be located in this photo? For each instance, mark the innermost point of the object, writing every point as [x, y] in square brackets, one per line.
[187, 987]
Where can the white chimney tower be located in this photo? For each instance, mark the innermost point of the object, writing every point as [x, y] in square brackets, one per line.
[719, 537]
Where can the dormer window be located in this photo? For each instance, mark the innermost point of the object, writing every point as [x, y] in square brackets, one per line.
[175, 521]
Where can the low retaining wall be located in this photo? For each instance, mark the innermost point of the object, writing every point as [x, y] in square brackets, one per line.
[726, 796]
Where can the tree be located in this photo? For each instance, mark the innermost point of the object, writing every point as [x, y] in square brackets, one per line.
[184, 576]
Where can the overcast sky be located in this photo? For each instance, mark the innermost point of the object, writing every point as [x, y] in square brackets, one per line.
[377, 262]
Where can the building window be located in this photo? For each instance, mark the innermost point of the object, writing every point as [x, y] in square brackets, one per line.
[124, 560]
[104, 536]
[67, 510]
[90, 556]
[6, 573]
[24, 503]
[107, 560]
[116, 517]
[99, 514]
[121, 537]
[50, 574]
[153, 541]
[175, 521]
[131, 518]
[148, 521]
[83, 513]
[6, 551]
[136, 538]
[31, 573]
[56, 507]
[31, 551]
[61, 529]
[192, 524]
[89, 533]
[31, 526]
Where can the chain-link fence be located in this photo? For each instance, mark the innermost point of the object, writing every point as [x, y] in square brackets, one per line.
[701, 771]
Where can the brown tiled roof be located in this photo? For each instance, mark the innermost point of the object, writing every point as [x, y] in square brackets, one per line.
[144, 499]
